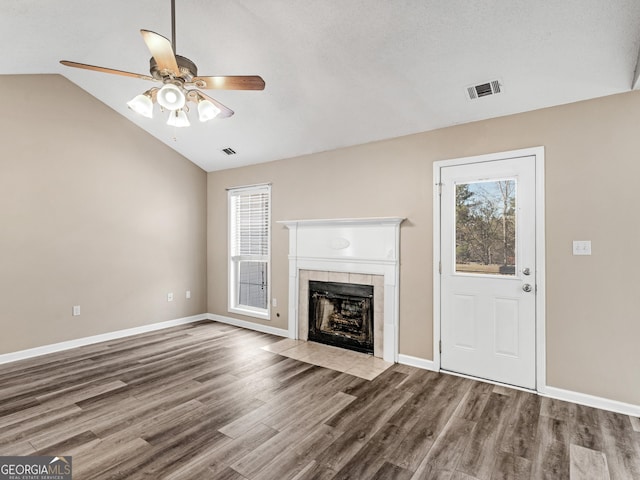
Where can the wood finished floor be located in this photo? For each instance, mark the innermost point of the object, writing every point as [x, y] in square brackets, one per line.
[204, 401]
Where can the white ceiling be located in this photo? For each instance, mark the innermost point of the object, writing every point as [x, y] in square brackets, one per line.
[337, 72]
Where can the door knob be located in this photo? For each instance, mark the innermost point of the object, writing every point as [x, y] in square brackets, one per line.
[526, 287]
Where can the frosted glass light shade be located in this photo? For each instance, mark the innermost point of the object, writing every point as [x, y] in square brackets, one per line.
[141, 104]
[171, 97]
[178, 118]
[207, 111]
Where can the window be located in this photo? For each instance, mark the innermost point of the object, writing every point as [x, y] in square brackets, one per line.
[486, 227]
[249, 250]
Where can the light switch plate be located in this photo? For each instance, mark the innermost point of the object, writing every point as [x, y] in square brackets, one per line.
[582, 247]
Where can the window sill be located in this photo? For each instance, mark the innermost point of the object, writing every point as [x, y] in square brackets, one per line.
[249, 312]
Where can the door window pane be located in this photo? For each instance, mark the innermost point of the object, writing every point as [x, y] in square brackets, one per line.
[486, 227]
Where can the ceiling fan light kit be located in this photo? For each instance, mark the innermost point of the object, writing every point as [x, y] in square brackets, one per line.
[142, 104]
[207, 110]
[180, 80]
[178, 118]
[171, 97]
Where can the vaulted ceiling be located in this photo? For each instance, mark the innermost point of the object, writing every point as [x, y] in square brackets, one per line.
[337, 72]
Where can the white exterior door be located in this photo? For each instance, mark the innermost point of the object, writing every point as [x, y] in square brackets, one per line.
[488, 274]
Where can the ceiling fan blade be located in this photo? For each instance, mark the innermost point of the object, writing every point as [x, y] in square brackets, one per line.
[105, 70]
[225, 112]
[242, 82]
[162, 51]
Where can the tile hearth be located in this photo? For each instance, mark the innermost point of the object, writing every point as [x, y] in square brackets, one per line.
[354, 363]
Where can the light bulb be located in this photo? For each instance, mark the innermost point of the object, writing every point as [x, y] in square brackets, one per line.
[178, 118]
[142, 104]
[171, 97]
[207, 110]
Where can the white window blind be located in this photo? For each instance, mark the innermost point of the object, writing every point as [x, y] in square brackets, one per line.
[251, 218]
[249, 237]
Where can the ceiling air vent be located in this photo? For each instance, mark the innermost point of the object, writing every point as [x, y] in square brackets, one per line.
[229, 151]
[484, 89]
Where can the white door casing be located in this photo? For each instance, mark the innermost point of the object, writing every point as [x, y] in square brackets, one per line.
[488, 324]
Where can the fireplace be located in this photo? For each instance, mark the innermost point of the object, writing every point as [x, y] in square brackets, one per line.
[341, 314]
[362, 251]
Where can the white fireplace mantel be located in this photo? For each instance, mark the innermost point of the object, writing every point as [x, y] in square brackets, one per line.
[348, 245]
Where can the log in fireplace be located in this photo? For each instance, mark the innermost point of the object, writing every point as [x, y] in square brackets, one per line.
[341, 314]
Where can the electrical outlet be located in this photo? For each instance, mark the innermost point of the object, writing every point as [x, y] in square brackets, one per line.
[76, 310]
[170, 297]
[582, 247]
[274, 302]
[188, 294]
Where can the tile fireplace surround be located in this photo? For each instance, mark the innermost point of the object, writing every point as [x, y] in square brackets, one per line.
[342, 277]
[349, 250]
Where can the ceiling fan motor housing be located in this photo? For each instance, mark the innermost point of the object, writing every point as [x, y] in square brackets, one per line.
[188, 69]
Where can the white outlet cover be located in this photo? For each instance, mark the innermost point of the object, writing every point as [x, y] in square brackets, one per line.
[169, 297]
[582, 247]
[76, 310]
[188, 294]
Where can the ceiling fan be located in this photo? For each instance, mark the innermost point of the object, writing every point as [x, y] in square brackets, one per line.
[180, 80]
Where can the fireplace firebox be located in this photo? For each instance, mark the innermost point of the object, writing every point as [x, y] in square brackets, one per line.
[341, 314]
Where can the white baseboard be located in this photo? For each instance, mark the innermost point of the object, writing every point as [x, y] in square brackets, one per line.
[416, 362]
[591, 401]
[81, 342]
[258, 327]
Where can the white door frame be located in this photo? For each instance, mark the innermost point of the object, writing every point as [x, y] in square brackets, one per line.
[538, 152]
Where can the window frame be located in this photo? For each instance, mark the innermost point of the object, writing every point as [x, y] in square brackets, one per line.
[233, 287]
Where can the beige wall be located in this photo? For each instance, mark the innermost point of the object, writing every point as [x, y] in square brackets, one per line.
[592, 167]
[93, 212]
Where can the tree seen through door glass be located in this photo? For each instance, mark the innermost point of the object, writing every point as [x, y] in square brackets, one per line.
[486, 227]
